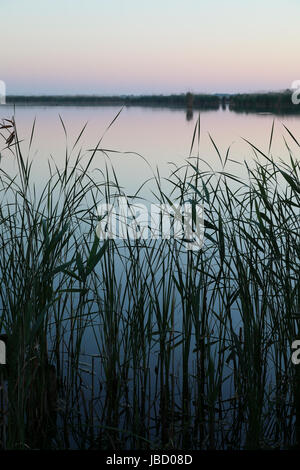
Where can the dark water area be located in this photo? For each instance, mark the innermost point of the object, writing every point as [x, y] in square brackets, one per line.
[143, 344]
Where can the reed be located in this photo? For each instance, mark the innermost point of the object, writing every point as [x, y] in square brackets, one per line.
[139, 344]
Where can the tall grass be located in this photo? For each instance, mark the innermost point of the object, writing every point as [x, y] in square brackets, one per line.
[138, 344]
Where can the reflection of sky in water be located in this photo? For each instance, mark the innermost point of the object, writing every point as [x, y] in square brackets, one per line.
[160, 135]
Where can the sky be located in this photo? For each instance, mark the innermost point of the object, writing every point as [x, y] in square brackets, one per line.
[114, 47]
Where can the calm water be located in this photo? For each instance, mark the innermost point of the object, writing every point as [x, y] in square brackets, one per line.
[160, 135]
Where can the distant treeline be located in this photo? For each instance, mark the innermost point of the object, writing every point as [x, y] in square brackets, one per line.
[264, 102]
[275, 102]
[186, 100]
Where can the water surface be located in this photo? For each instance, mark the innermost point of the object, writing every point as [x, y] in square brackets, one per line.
[163, 136]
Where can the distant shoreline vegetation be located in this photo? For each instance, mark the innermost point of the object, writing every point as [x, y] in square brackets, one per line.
[274, 102]
[187, 100]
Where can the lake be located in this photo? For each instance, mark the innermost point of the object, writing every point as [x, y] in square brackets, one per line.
[151, 345]
[163, 136]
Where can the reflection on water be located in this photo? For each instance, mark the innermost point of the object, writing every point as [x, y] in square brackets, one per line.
[189, 114]
[177, 348]
[161, 135]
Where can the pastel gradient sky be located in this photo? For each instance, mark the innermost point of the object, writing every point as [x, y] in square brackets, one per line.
[148, 46]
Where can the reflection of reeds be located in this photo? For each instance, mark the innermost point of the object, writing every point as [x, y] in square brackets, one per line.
[191, 348]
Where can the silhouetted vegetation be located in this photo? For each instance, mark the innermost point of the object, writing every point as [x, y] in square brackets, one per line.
[274, 102]
[183, 100]
[191, 349]
[264, 102]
